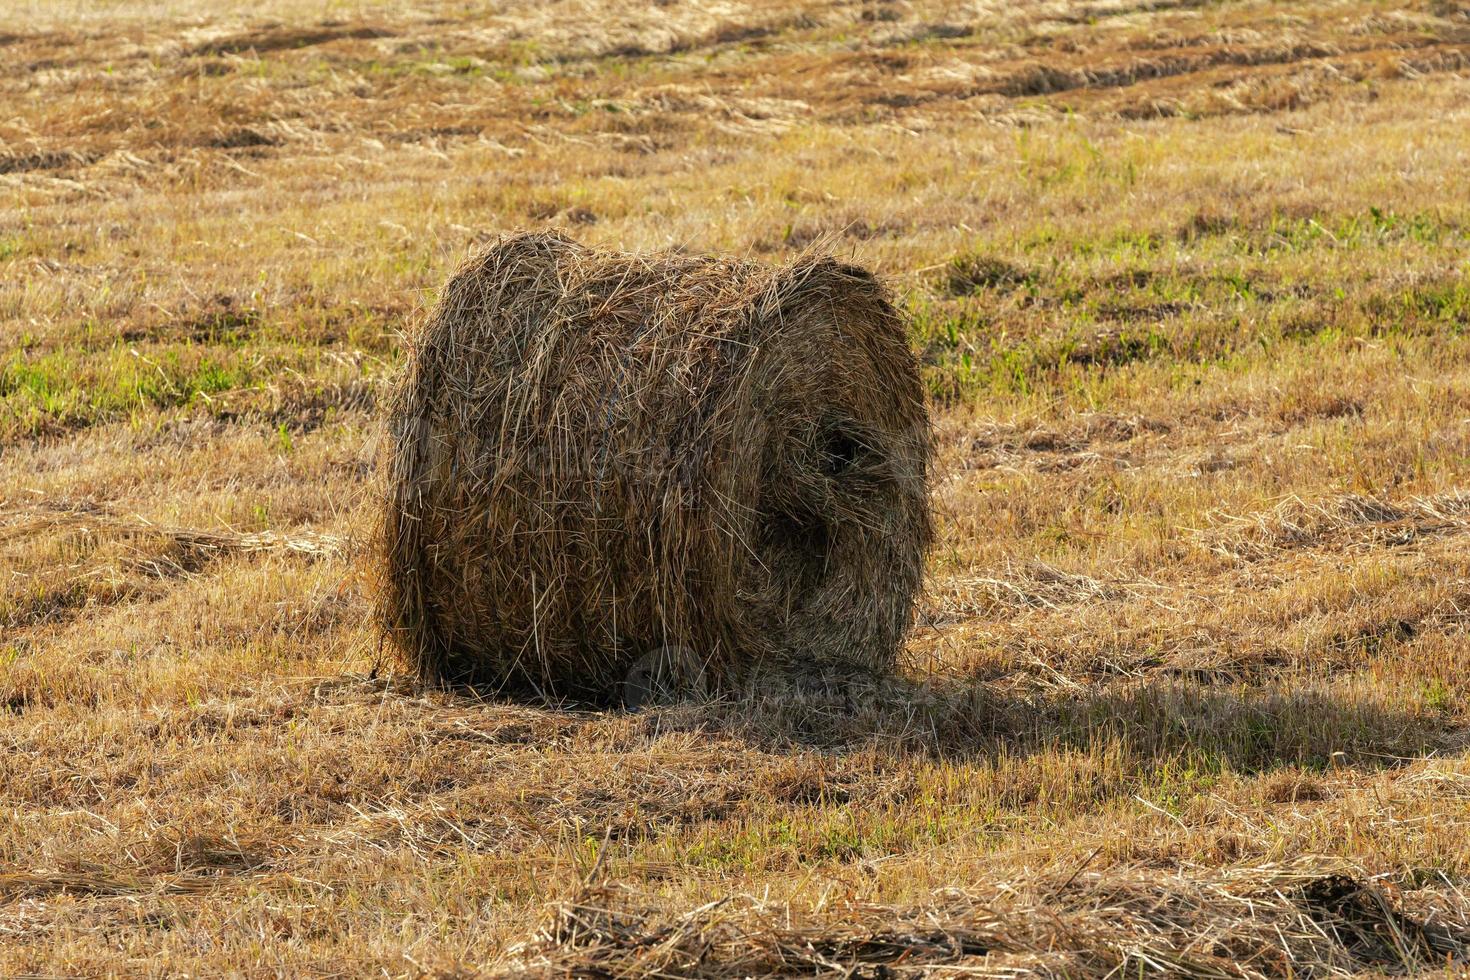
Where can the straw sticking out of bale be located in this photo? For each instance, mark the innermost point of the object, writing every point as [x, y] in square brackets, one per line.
[595, 455]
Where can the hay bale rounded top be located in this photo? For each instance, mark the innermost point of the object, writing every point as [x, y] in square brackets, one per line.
[593, 455]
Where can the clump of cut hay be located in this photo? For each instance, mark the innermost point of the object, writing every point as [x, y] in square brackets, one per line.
[1030, 585]
[595, 455]
[20, 523]
[1245, 923]
[1348, 521]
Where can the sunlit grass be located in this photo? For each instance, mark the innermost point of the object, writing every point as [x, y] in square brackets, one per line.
[1189, 285]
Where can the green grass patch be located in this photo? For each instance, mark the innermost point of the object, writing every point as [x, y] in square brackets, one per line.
[60, 390]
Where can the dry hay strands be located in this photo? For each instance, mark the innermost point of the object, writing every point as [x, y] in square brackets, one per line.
[1244, 923]
[1032, 585]
[595, 455]
[47, 884]
[1349, 521]
[24, 523]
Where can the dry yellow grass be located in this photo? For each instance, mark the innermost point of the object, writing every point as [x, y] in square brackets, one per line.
[1191, 284]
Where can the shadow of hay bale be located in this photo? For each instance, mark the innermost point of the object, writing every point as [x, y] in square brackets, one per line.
[596, 455]
[1246, 731]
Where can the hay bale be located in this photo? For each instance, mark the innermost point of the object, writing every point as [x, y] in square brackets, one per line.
[593, 455]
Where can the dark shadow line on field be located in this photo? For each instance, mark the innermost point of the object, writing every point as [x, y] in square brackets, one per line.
[1248, 731]
[1153, 721]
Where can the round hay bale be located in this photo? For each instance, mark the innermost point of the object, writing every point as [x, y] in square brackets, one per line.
[593, 455]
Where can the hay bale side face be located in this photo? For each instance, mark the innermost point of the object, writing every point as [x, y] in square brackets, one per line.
[593, 455]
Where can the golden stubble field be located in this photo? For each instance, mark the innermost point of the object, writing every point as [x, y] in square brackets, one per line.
[1189, 693]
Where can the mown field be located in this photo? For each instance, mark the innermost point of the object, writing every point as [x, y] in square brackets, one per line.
[1190, 693]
